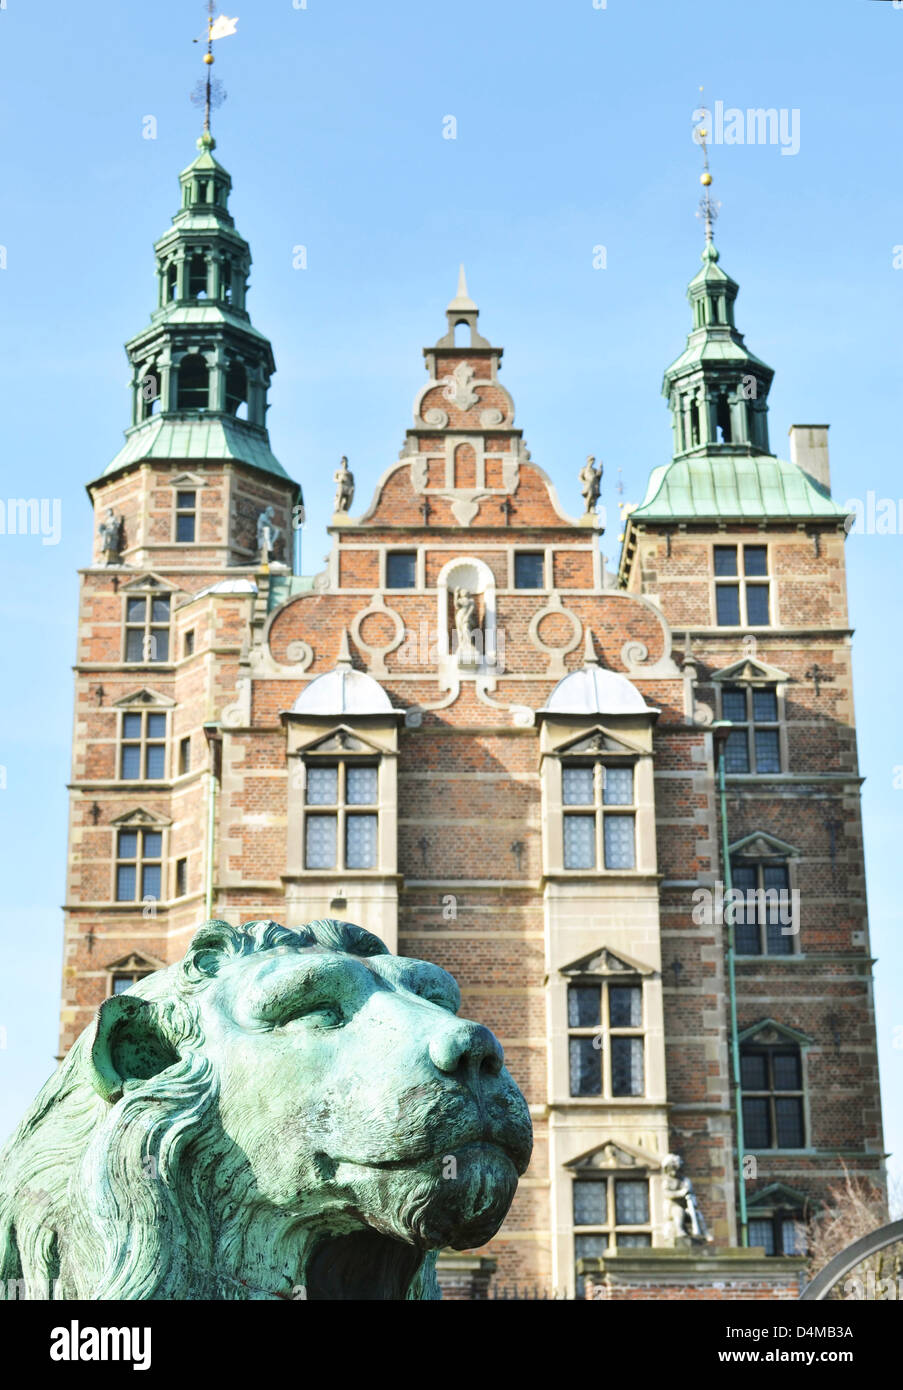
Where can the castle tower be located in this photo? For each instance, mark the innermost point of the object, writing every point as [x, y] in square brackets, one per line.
[191, 517]
[744, 553]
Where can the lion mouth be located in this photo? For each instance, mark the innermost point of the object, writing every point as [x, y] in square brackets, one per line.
[514, 1149]
[361, 1265]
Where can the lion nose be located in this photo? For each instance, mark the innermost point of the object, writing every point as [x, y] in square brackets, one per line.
[468, 1047]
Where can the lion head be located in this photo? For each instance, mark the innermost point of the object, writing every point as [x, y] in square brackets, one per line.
[280, 1114]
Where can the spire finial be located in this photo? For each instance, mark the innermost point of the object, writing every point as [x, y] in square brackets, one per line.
[209, 92]
[462, 300]
[589, 650]
[708, 210]
[344, 657]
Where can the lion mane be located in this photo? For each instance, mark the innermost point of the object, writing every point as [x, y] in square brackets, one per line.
[75, 1223]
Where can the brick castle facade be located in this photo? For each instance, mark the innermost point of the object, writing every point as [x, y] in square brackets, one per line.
[470, 738]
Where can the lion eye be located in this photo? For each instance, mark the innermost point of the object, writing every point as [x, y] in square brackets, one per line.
[322, 1015]
[441, 1001]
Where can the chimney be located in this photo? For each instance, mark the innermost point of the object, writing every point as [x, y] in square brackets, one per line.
[809, 450]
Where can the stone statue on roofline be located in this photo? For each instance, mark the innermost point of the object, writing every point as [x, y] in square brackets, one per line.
[110, 532]
[344, 479]
[268, 535]
[590, 483]
[685, 1221]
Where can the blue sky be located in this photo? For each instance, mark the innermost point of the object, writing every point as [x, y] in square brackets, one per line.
[573, 132]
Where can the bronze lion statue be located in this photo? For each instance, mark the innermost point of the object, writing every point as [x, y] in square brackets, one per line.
[281, 1114]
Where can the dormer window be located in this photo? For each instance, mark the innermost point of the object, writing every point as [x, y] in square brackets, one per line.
[341, 816]
[597, 834]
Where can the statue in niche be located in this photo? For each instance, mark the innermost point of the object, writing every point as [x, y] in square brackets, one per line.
[590, 483]
[268, 535]
[465, 623]
[110, 532]
[686, 1222]
[344, 479]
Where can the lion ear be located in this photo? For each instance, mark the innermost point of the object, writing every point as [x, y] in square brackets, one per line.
[128, 1044]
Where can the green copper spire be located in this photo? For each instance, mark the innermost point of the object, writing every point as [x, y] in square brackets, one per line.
[201, 370]
[717, 389]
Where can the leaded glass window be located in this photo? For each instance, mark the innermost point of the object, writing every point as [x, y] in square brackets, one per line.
[334, 836]
[771, 1079]
[142, 753]
[606, 1043]
[765, 922]
[601, 837]
[147, 628]
[139, 865]
[607, 1212]
[754, 744]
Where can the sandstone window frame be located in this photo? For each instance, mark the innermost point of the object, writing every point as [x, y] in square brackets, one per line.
[144, 741]
[598, 808]
[185, 516]
[773, 1040]
[527, 553]
[340, 811]
[752, 675]
[759, 850]
[154, 628]
[743, 577]
[760, 867]
[145, 862]
[133, 967]
[617, 741]
[751, 725]
[180, 877]
[318, 738]
[779, 1206]
[386, 554]
[608, 1031]
[632, 1235]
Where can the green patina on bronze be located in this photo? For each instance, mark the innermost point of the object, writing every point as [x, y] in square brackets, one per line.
[281, 1114]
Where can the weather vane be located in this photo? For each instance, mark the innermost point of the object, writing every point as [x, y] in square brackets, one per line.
[209, 91]
[708, 209]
